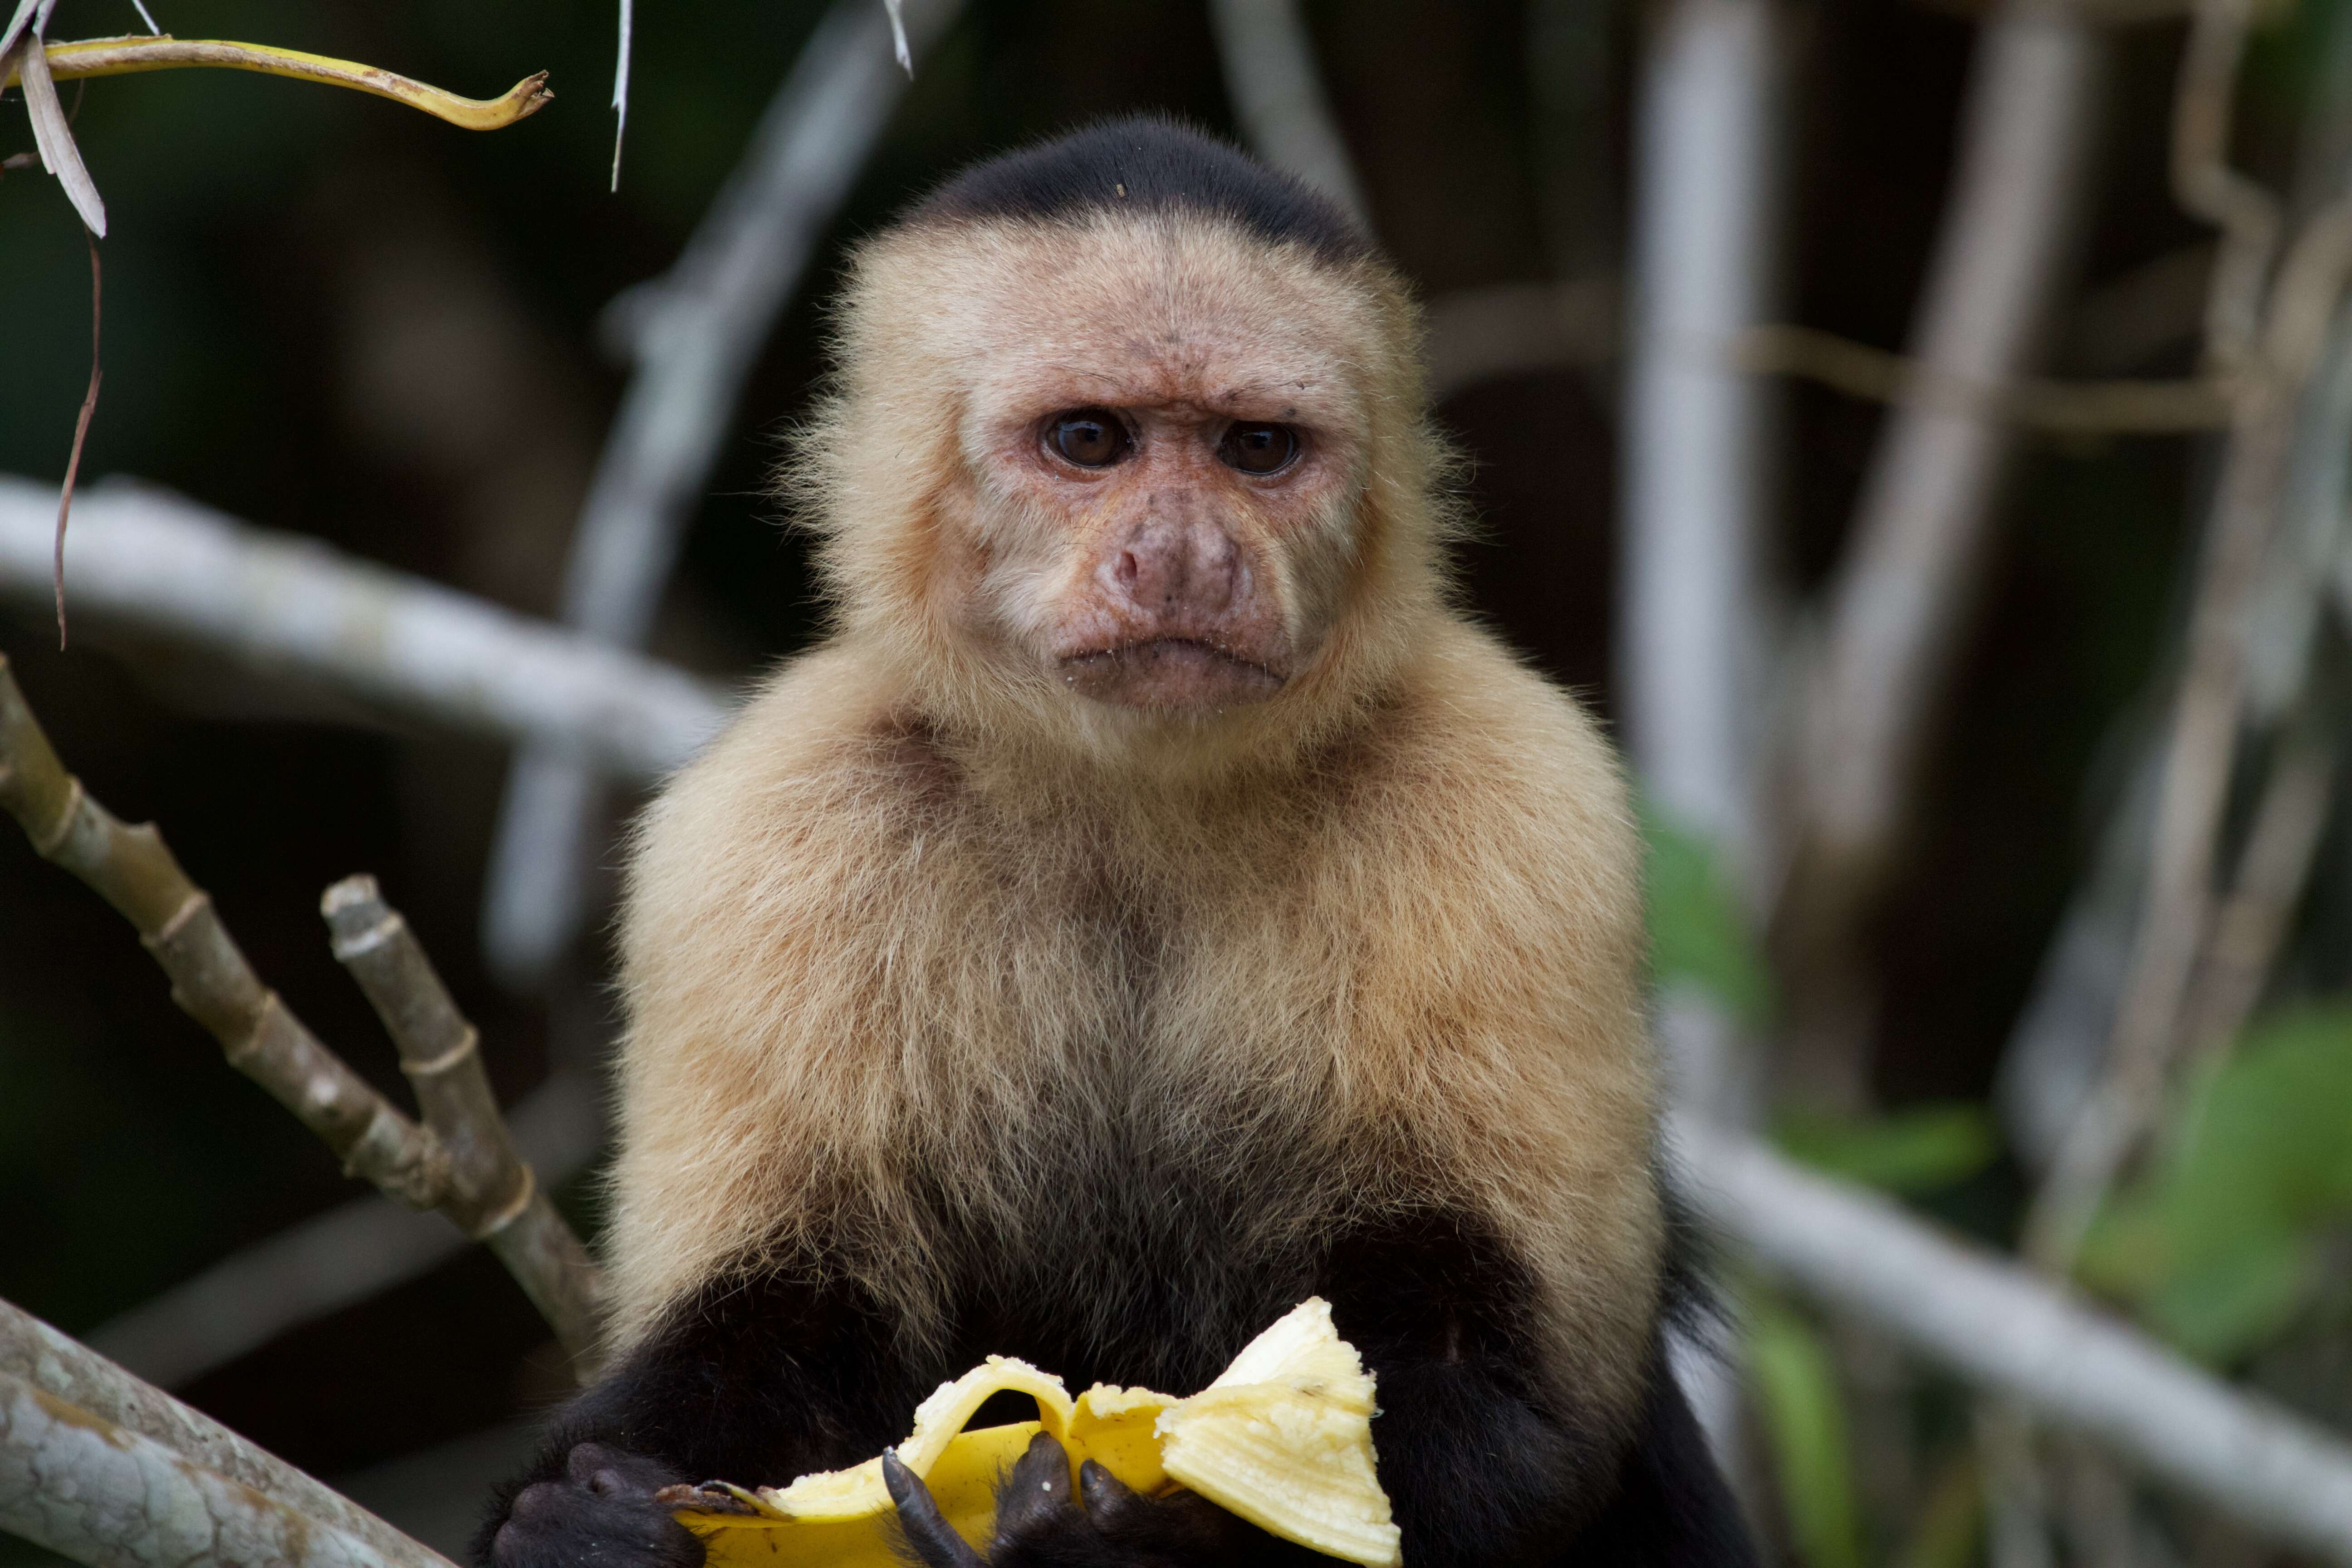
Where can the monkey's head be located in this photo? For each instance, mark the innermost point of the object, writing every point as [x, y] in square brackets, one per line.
[1127, 441]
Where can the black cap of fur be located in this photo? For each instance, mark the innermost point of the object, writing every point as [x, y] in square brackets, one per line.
[1146, 163]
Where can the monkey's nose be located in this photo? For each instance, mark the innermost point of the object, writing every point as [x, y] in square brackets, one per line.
[1172, 570]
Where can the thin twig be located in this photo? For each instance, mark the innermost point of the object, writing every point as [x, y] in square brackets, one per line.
[81, 433]
[2254, 921]
[1478, 334]
[2205, 185]
[56, 1366]
[493, 1196]
[2122, 406]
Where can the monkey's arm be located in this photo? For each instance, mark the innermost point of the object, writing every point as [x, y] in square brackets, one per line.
[751, 1381]
[1486, 1461]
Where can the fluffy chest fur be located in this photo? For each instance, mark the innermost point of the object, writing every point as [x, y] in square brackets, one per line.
[967, 1044]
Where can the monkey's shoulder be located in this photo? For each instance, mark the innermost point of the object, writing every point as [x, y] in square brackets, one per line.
[1490, 757]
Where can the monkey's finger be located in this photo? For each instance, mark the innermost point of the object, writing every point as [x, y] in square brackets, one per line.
[1037, 1485]
[927, 1531]
[1109, 1498]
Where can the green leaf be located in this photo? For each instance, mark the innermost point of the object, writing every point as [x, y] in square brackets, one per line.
[1919, 1149]
[1698, 931]
[1803, 1419]
[2235, 1305]
[2216, 1248]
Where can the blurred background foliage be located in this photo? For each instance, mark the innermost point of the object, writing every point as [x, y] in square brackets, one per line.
[329, 316]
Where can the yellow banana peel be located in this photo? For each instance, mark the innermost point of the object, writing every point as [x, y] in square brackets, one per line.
[1283, 1439]
[124, 56]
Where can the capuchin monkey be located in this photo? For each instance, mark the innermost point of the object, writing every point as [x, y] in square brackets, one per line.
[1156, 901]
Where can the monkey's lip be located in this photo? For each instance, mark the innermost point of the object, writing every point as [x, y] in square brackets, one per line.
[1168, 672]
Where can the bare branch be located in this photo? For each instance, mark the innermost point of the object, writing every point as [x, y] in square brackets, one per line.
[59, 1497]
[46, 1363]
[2202, 745]
[2071, 407]
[694, 335]
[1901, 602]
[2000, 1327]
[81, 435]
[1695, 456]
[170, 565]
[493, 1196]
[131, 870]
[352, 1253]
[621, 56]
[1478, 334]
[83, 1487]
[2271, 875]
[1695, 621]
[2205, 185]
[1277, 90]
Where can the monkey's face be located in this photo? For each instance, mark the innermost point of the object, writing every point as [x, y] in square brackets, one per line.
[1154, 545]
[1163, 433]
[1168, 451]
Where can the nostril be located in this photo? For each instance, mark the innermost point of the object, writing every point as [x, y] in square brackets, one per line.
[1128, 570]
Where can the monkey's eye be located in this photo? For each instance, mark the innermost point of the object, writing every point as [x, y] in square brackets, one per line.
[1259, 448]
[1090, 438]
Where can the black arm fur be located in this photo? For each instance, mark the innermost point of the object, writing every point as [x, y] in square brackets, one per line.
[761, 1380]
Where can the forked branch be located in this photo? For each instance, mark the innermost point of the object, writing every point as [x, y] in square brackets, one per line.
[462, 1163]
[492, 1194]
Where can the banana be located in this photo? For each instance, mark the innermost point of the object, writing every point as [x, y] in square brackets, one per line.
[1283, 1439]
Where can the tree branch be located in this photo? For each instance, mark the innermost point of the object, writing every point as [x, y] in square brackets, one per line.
[131, 868]
[167, 565]
[2002, 1330]
[492, 1195]
[2074, 407]
[1901, 603]
[1276, 91]
[99, 1466]
[2202, 745]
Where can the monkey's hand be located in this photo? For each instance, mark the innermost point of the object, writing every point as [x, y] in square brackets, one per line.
[599, 1512]
[1040, 1525]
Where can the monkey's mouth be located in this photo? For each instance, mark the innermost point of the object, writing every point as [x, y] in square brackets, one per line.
[1168, 672]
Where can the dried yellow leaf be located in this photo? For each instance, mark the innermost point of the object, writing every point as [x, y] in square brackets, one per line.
[126, 55]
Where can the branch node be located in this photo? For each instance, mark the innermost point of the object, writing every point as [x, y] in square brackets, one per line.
[52, 837]
[526, 1189]
[368, 941]
[455, 1056]
[180, 917]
